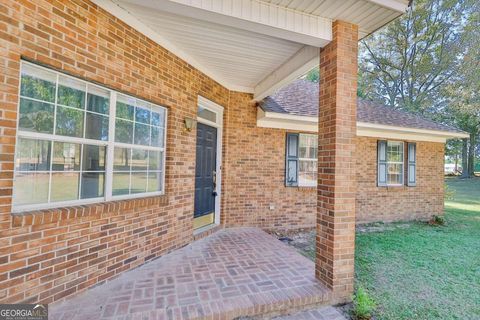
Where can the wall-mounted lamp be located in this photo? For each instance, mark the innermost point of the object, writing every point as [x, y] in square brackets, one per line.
[189, 124]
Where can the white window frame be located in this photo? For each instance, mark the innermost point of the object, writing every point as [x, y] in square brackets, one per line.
[110, 144]
[314, 184]
[402, 173]
[218, 110]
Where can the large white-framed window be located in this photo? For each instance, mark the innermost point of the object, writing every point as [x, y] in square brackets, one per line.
[301, 160]
[79, 143]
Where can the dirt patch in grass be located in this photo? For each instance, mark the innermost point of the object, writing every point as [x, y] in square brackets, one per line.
[303, 240]
[381, 227]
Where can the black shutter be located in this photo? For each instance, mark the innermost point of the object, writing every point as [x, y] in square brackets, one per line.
[291, 160]
[382, 163]
[412, 164]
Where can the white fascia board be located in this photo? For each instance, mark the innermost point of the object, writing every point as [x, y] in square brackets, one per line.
[439, 133]
[251, 15]
[285, 121]
[300, 63]
[132, 21]
[310, 124]
[399, 6]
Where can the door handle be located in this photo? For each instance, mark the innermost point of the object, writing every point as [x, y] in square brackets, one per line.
[214, 177]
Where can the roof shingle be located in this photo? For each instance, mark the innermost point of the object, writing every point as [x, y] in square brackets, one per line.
[301, 98]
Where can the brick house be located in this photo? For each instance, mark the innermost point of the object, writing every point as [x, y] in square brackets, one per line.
[412, 148]
[128, 128]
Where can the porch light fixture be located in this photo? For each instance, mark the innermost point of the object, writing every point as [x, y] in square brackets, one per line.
[189, 124]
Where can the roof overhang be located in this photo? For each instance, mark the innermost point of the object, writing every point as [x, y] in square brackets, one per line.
[253, 46]
[364, 129]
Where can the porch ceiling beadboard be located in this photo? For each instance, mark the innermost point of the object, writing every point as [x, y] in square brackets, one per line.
[253, 46]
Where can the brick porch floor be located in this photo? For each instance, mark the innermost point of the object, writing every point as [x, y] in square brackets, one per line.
[234, 272]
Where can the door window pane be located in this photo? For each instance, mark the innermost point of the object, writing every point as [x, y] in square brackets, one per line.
[32, 155]
[71, 92]
[206, 114]
[38, 83]
[36, 116]
[66, 156]
[98, 99]
[96, 127]
[92, 185]
[69, 122]
[93, 158]
[65, 186]
[30, 188]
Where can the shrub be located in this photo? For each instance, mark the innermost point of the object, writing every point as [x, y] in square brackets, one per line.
[363, 305]
[437, 220]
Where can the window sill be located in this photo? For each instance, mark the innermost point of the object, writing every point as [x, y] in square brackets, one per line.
[115, 206]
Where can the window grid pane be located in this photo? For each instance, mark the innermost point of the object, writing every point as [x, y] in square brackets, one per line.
[395, 159]
[67, 170]
[307, 151]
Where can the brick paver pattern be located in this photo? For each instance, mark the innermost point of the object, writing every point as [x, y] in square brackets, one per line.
[234, 272]
[322, 313]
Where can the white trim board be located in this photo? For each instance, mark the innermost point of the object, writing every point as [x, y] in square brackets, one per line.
[218, 109]
[364, 129]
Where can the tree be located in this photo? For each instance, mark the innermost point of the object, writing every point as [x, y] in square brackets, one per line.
[313, 75]
[426, 62]
[462, 93]
[407, 64]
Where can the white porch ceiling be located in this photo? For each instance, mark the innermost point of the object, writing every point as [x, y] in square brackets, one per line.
[254, 46]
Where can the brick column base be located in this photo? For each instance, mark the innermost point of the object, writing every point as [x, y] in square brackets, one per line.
[334, 264]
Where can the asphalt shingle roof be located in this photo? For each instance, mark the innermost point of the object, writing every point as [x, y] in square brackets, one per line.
[300, 97]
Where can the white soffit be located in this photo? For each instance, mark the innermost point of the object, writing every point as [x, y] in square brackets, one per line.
[369, 15]
[253, 46]
[310, 124]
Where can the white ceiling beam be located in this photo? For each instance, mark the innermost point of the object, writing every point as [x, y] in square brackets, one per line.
[303, 61]
[399, 6]
[251, 15]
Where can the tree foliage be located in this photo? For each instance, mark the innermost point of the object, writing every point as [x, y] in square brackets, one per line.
[427, 62]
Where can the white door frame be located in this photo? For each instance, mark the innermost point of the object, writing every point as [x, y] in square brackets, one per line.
[218, 110]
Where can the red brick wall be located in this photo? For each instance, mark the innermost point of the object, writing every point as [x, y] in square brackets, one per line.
[399, 203]
[336, 189]
[45, 256]
[254, 174]
[48, 255]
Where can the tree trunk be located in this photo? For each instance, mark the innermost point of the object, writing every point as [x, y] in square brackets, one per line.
[465, 158]
[456, 163]
[471, 155]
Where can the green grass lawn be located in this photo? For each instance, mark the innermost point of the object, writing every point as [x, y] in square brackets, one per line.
[423, 271]
[418, 271]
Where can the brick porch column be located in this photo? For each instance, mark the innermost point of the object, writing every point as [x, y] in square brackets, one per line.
[334, 265]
